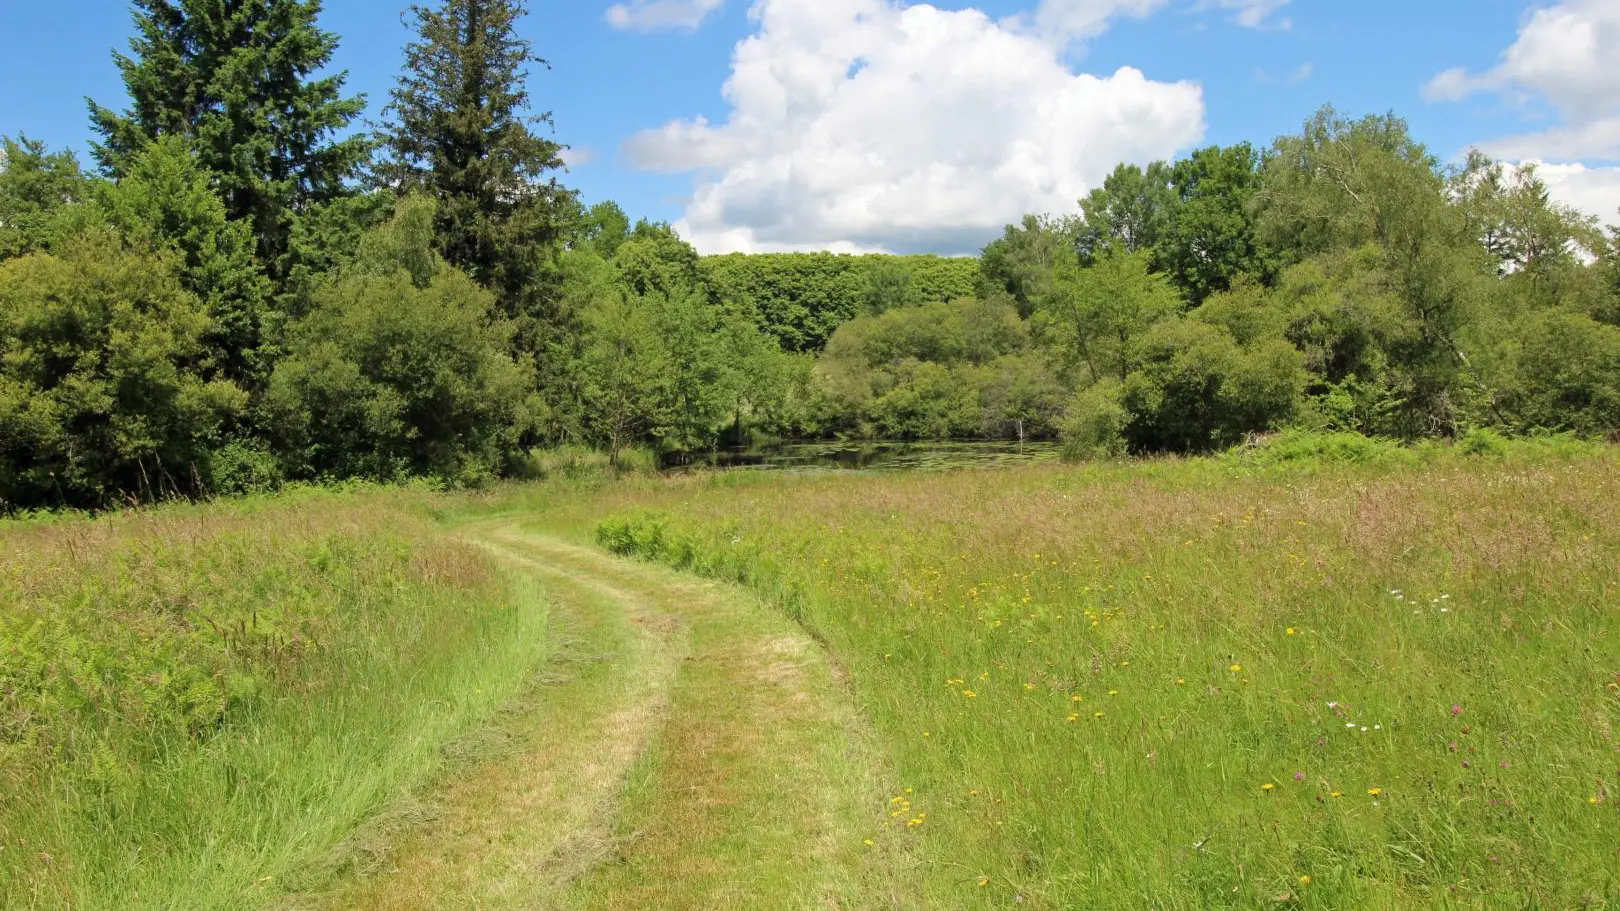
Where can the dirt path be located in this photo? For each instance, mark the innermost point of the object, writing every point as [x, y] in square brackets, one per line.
[695, 751]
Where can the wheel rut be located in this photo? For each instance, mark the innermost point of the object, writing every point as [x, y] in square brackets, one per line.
[694, 749]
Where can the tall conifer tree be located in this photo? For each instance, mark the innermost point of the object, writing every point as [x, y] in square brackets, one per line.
[238, 80]
[460, 129]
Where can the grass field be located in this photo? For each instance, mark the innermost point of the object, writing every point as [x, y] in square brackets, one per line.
[200, 707]
[1336, 676]
[1212, 684]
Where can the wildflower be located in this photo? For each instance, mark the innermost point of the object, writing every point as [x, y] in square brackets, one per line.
[869, 842]
[1181, 681]
[970, 694]
[1292, 631]
[1268, 787]
[1113, 692]
[1029, 686]
[1074, 717]
[1593, 801]
[1336, 794]
[1237, 668]
[1305, 880]
[1075, 698]
[1375, 792]
[1456, 710]
[1098, 715]
[984, 881]
[1299, 776]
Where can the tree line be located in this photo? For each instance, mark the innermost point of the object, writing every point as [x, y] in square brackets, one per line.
[1343, 279]
[247, 287]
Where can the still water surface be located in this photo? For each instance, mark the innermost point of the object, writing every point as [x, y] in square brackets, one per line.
[873, 456]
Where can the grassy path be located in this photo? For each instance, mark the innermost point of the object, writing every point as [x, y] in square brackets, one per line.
[695, 751]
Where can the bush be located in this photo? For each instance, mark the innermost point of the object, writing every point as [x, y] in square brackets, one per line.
[101, 390]
[1483, 442]
[243, 467]
[1095, 424]
[402, 369]
[1299, 447]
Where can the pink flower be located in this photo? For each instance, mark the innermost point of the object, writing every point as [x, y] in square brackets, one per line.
[1299, 776]
[1456, 710]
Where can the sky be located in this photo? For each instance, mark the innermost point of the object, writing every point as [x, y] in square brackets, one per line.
[883, 125]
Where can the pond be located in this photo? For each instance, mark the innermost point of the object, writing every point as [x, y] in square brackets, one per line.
[871, 456]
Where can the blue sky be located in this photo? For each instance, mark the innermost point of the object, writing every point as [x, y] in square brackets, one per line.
[1208, 75]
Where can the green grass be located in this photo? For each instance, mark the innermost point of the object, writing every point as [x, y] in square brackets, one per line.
[1197, 684]
[200, 705]
[1081, 681]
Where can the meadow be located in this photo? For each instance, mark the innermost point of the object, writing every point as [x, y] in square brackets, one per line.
[208, 706]
[1226, 683]
[1322, 673]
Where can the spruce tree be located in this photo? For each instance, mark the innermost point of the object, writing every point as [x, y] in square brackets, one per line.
[459, 129]
[236, 78]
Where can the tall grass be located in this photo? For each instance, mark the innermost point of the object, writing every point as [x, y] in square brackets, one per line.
[1309, 681]
[199, 705]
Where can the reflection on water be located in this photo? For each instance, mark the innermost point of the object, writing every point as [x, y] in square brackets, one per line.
[871, 456]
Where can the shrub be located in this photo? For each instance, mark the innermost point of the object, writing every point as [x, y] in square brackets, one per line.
[1095, 424]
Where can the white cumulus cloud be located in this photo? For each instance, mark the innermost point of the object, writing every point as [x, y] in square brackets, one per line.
[874, 125]
[1565, 54]
[659, 15]
[1594, 191]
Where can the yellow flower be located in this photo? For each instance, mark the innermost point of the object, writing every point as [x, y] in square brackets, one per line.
[1304, 880]
[1113, 692]
[1268, 787]
[1375, 792]
[970, 694]
[1336, 794]
[1292, 631]
[1076, 698]
[1029, 686]
[1237, 668]
[1098, 715]
[1181, 681]
[869, 842]
[983, 881]
[1074, 717]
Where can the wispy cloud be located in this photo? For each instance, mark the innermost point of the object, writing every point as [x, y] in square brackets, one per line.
[1252, 13]
[661, 15]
